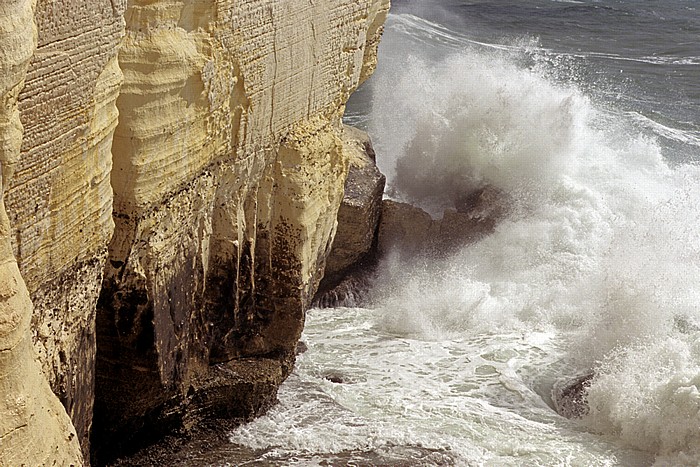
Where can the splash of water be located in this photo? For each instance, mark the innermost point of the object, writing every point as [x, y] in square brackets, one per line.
[594, 269]
[601, 244]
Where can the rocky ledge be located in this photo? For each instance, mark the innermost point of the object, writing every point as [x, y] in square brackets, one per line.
[375, 228]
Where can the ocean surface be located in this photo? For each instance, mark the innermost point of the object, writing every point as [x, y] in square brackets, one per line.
[586, 116]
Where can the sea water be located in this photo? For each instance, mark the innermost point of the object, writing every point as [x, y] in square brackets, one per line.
[586, 116]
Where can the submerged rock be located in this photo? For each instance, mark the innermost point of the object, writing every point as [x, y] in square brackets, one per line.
[569, 396]
[336, 377]
[487, 204]
[212, 447]
[301, 347]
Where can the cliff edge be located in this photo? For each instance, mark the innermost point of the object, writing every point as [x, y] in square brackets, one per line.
[172, 173]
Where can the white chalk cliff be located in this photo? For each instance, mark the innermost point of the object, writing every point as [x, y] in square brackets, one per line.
[171, 175]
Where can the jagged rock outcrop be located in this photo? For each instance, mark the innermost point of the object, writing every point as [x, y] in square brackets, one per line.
[202, 220]
[34, 427]
[358, 216]
[569, 396]
[408, 230]
[352, 257]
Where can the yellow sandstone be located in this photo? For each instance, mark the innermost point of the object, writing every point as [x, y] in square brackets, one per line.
[170, 204]
[34, 427]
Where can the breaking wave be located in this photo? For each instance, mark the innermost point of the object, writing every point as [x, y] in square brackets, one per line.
[601, 245]
[593, 271]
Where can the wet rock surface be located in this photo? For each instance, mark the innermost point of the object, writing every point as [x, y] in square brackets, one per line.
[408, 230]
[401, 229]
[232, 393]
[569, 396]
[404, 228]
[359, 213]
[353, 290]
[211, 447]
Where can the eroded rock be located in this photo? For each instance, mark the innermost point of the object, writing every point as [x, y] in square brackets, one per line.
[359, 213]
[229, 166]
[34, 426]
[569, 396]
[218, 125]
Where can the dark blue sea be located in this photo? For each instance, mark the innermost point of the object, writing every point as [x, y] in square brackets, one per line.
[585, 117]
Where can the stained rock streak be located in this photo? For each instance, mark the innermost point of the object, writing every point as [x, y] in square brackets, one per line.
[172, 192]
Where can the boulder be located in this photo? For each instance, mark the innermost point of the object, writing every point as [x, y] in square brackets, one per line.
[404, 228]
[486, 206]
[409, 230]
[351, 260]
[358, 216]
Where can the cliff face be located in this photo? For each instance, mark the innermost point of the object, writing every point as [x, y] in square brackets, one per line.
[34, 427]
[60, 201]
[183, 162]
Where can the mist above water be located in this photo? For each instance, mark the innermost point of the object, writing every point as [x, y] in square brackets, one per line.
[600, 245]
[595, 268]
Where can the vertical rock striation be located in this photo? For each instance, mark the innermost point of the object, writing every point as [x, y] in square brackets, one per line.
[171, 201]
[34, 428]
[60, 201]
[228, 174]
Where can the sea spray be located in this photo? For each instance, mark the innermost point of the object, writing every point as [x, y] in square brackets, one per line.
[594, 269]
[600, 243]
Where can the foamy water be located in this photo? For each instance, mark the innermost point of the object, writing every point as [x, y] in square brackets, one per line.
[595, 268]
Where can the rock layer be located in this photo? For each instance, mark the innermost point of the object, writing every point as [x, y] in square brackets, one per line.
[60, 201]
[172, 206]
[34, 427]
[228, 173]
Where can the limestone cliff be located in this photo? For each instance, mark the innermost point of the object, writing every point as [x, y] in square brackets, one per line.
[60, 201]
[34, 427]
[182, 161]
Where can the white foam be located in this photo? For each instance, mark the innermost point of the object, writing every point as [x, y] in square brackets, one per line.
[467, 398]
[602, 244]
[597, 266]
[649, 395]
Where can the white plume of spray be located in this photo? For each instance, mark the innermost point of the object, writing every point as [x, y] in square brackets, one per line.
[473, 120]
[601, 245]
